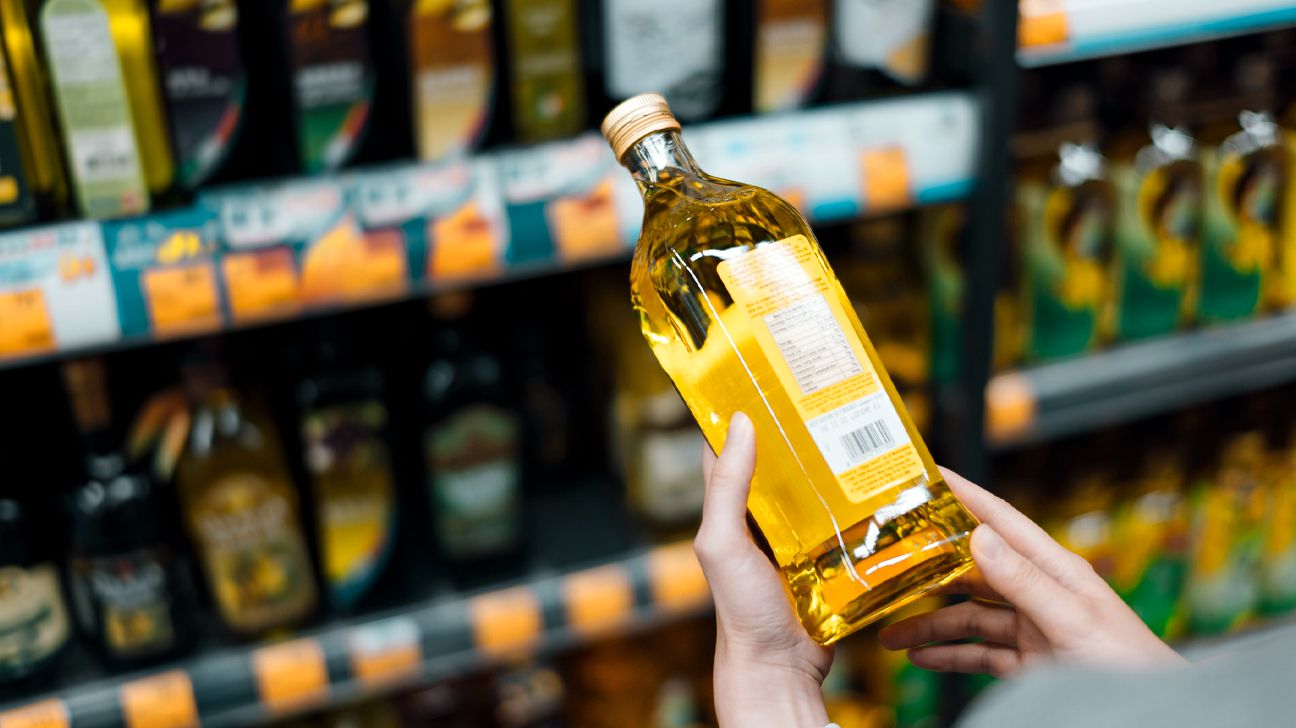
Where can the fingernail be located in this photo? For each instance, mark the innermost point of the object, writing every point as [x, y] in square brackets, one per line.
[740, 430]
[987, 542]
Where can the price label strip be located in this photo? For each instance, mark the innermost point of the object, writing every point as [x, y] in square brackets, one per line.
[25, 325]
[507, 621]
[45, 714]
[676, 578]
[261, 284]
[292, 675]
[586, 226]
[1042, 23]
[598, 599]
[182, 299]
[386, 651]
[887, 182]
[165, 700]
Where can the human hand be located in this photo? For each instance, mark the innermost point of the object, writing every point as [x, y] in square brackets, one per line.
[1034, 601]
[768, 671]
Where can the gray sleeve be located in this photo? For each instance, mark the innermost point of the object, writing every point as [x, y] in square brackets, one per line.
[1242, 681]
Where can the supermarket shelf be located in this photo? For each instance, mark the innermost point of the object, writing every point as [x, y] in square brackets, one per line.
[1139, 380]
[1059, 31]
[380, 654]
[248, 255]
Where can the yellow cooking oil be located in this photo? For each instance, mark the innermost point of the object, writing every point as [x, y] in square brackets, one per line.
[744, 313]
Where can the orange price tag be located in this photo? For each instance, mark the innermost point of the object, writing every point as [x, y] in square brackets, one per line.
[1010, 406]
[586, 226]
[505, 621]
[886, 178]
[676, 577]
[165, 700]
[45, 714]
[379, 269]
[291, 675]
[598, 598]
[386, 651]
[182, 299]
[1042, 22]
[25, 326]
[463, 245]
[261, 284]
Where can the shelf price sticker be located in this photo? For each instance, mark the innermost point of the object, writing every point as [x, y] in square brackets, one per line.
[165, 700]
[507, 621]
[45, 714]
[291, 675]
[1042, 22]
[182, 299]
[386, 651]
[261, 284]
[1010, 406]
[598, 599]
[25, 325]
[676, 578]
[887, 181]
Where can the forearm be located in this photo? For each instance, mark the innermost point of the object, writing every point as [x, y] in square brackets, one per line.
[749, 694]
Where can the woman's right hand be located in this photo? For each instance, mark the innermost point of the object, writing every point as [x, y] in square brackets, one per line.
[1033, 602]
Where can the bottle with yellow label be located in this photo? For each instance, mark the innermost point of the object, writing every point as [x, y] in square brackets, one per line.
[1065, 213]
[1278, 555]
[452, 62]
[240, 508]
[17, 204]
[1150, 533]
[37, 136]
[1247, 173]
[1159, 182]
[740, 306]
[100, 56]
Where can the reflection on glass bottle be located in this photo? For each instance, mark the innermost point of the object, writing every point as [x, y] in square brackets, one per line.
[471, 444]
[131, 592]
[241, 510]
[344, 430]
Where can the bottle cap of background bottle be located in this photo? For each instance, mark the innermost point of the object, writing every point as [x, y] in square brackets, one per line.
[636, 118]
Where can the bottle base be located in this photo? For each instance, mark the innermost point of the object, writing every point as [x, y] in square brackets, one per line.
[882, 564]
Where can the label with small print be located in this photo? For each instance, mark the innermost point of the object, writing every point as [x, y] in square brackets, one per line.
[165, 700]
[50, 713]
[794, 304]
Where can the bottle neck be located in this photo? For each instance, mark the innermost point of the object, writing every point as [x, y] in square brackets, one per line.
[660, 158]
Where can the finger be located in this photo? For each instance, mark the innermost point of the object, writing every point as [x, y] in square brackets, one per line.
[1020, 580]
[958, 622]
[1023, 534]
[724, 507]
[971, 584]
[978, 658]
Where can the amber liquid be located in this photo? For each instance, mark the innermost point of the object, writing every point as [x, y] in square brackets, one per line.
[846, 563]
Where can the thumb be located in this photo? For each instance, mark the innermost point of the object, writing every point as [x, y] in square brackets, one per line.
[724, 509]
[1034, 593]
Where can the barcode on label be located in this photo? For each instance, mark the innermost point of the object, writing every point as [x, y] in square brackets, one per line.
[869, 440]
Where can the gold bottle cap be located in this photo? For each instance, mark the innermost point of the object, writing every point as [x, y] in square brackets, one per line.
[636, 118]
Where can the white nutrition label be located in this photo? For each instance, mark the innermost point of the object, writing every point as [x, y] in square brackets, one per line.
[813, 344]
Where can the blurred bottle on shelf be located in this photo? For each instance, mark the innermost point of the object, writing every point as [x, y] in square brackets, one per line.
[1150, 535]
[656, 444]
[17, 202]
[1247, 173]
[105, 83]
[545, 73]
[879, 43]
[549, 435]
[1082, 520]
[1065, 211]
[240, 507]
[131, 589]
[790, 46]
[1228, 506]
[1158, 179]
[472, 445]
[204, 80]
[453, 72]
[374, 714]
[344, 440]
[1278, 555]
[673, 47]
[911, 696]
[34, 626]
[529, 694]
[39, 150]
[333, 79]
